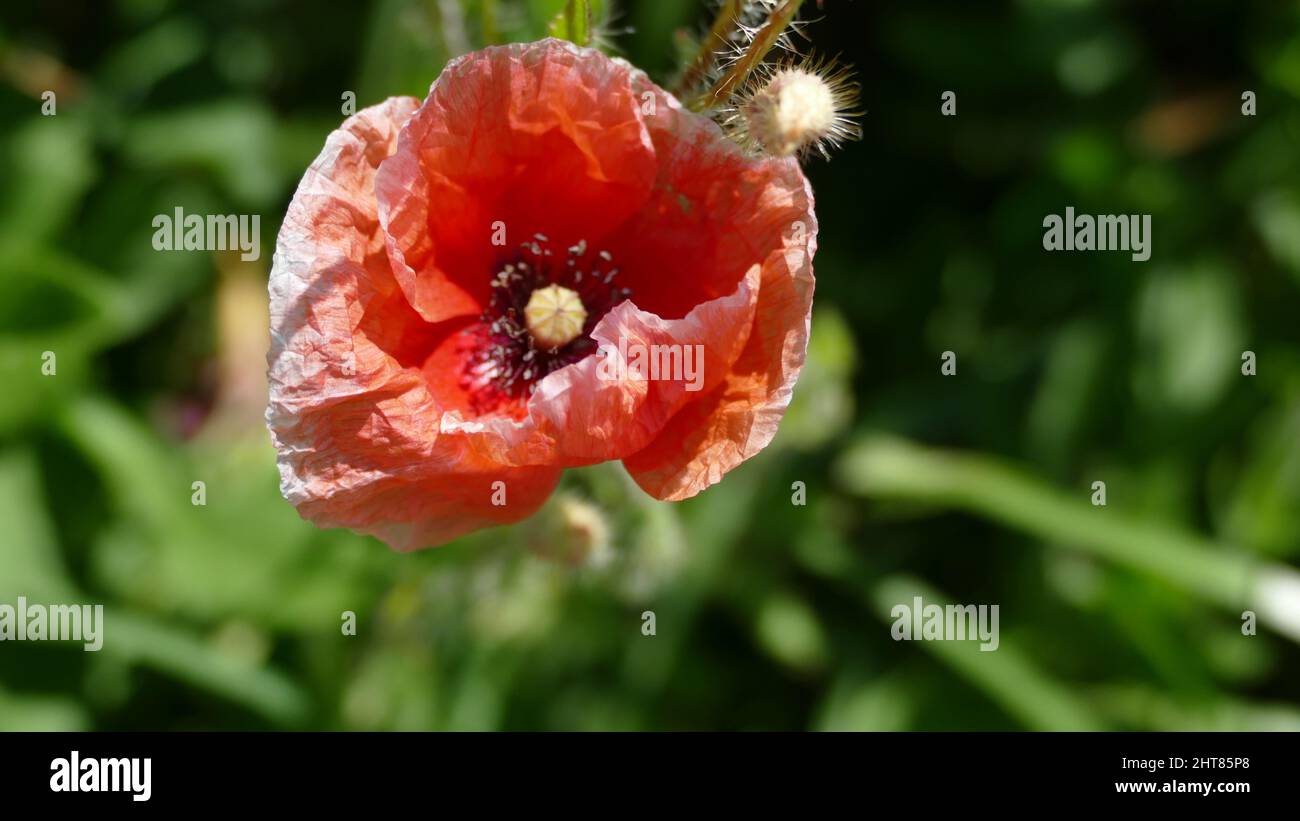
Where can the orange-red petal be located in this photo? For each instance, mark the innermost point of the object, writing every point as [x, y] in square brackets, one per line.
[355, 426]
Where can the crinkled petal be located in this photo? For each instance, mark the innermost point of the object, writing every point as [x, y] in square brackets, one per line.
[387, 253]
[353, 422]
[602, 408]
[512, 141]
[739, 417]
[693, 238]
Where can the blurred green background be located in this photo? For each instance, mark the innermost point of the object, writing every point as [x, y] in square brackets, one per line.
[973, 488]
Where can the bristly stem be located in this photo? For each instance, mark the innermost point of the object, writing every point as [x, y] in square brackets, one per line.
[578, 21]
[719, 33]
[762, 43]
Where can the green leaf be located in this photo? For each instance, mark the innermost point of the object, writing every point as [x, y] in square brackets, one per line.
[30, 563]
[789, 630]
[49, 168]
[133, 68]
[234, 140]
[891, 468]
[146, 640]
[869, 704]
[1190, 326]
[40, 714]
[1008, 675]
[244, 553]
[30, 566]
[1277, 218]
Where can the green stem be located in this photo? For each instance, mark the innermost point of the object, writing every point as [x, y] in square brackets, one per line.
[894, 468]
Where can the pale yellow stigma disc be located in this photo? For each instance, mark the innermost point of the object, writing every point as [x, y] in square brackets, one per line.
[555, 316]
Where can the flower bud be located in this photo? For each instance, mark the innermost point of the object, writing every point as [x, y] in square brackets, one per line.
[572, 531]
[795, 109]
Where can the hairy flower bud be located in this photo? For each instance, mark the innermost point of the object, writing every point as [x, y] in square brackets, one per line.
[794, 109]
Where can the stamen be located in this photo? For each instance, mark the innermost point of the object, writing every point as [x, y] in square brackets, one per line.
[539, 319]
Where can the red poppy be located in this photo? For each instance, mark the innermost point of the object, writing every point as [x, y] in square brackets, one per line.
[452, 277]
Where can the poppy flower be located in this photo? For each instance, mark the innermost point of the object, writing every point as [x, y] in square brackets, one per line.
[460, 285]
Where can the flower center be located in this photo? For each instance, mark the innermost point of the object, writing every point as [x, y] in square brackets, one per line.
[555, 316]
[544, 305]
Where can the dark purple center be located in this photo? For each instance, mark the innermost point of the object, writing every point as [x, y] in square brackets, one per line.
[504, 362]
